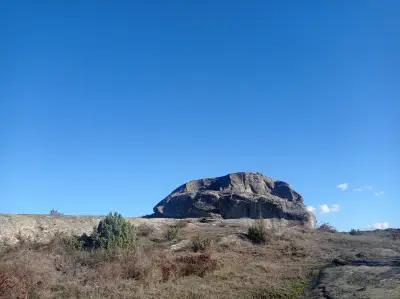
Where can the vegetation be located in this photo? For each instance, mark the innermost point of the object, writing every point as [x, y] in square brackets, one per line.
[200, 243]
[144, 230]
[172, 233]
[216, 262]
[355, 232]
[293, 290]
[395, 234]
[54, 212]
[326, 227]
[174, 230]
[113, 232]
[257, 233]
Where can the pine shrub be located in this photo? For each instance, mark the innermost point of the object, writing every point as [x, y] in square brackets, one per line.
[113, 232]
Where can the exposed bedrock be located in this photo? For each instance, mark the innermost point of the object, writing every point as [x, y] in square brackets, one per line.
[236, 195]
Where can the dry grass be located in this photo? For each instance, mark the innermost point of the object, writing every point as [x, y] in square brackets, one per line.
[226, 265]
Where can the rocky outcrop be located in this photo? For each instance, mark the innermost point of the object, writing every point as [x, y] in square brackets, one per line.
[236, 195]
[366, 277]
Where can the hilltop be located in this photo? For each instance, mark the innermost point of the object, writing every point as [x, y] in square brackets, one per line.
[243, 235]
[205, 258]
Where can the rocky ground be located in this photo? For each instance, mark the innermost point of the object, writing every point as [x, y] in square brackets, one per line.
[201, 258]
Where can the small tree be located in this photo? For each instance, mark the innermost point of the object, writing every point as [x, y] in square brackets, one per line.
[326, 227]
[257, 233]
[113, 232]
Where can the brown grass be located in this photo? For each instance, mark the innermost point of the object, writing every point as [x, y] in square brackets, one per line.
[226, 265]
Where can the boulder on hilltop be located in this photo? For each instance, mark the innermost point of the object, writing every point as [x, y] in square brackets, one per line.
[236, 195]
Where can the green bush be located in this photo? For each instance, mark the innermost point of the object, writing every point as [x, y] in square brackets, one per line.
[292, 290]
[113, 232]
[257, 233]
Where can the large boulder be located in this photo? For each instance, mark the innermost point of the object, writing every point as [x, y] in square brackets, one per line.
[236, 195]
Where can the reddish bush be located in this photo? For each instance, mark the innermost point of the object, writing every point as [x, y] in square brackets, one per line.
[196, 264]
[168, 270]
[15, 282]
[187, 265]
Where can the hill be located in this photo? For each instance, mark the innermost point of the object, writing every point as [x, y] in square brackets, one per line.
[203, 258]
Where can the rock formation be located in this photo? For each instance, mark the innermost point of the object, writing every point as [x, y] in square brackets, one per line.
[236, 195]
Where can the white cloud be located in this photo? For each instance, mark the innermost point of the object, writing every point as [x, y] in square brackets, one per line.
[379, 193]
[325, 209]
[379, 225]
[335, 208]
[343, 186]
[364, 188]
[310, 209]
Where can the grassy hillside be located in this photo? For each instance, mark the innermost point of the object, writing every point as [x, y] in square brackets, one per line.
[207, 259]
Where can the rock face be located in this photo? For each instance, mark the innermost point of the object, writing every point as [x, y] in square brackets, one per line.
[377, 277]
[236, 195]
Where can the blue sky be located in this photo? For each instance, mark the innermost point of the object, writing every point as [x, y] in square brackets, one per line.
[110, 105]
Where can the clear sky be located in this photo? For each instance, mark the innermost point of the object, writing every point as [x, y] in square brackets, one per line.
[110, 105]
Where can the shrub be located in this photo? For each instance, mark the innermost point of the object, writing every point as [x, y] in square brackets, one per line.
[16, 281]
[145, 230]
[181, 223]
[292, 290]
[168, 270]
[326, 227]
[54, 212]
[172, 233]
[195, 265]
[355, 232]
[395, 234]
[257, 233]
[130, 264]
[173, 230]
[113, 232]
[200, 243]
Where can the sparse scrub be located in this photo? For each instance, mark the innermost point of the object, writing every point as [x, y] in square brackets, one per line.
[395, 234]
[172, 233]
[196, 265]
[293, 248]
[174, 230]
[16, 281]
[200, 243]
[293, 290]
[130, 264]
[168, 270]
[144, 230]
[257, 233]
[182, 223]
[355, 232]
[64, 268]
